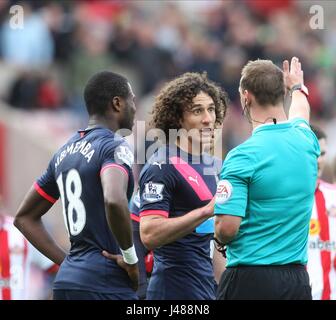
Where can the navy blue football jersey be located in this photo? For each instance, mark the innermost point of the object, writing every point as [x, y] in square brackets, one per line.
[74, 175]
[140, 249]
[172, 184]
[134, 206]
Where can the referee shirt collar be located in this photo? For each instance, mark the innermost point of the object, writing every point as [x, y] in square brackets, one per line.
[271, 126]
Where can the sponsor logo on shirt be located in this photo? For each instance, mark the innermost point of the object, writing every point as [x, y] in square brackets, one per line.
[322, 245]
[224, 191]
[159, 164]
[153, 192]
[314, 228]
[193, 179]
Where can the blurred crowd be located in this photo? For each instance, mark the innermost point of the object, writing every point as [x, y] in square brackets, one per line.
[64, 42]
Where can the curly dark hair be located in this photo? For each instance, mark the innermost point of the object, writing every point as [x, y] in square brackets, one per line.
[177, 95]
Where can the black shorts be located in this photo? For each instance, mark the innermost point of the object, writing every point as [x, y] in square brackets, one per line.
[282, 282]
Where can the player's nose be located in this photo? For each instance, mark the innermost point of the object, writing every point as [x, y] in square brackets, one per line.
[207, 118]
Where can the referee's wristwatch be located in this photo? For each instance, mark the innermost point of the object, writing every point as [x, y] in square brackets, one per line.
[300, 87]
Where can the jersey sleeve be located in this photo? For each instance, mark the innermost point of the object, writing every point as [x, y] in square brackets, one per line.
[232, 189]
[119, 157]
[303, 126]
[134, 206]
[156, 190]
[46, 185]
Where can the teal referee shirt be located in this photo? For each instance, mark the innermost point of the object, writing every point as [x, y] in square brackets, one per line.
[269, 181]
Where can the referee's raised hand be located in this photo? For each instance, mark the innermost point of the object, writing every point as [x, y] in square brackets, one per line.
[293, 73]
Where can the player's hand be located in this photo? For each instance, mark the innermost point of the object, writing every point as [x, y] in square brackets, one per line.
[210, 207]
[131, 269]
[293, 73]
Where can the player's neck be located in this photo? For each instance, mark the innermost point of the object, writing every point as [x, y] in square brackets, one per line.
[97, 121]
[187, 146]
[265, 115]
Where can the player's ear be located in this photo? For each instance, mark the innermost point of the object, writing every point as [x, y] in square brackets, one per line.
[248, 97]
[116, 103]
[246, 94]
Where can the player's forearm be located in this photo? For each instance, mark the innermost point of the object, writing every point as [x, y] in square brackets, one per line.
[119, 221]
[158, 232]
[38, 236]
[226, 227]
[299, 107]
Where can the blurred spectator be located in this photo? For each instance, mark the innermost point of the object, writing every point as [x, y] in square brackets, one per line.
[266, 8]
[4, 9]
[32, 90]
[153, 63]
[17, 257]
[30, 47]
[61, 25]
[49, 95]
[322, 236]
[160, 40]
[64, 42]
[90, 54]
[23, 93]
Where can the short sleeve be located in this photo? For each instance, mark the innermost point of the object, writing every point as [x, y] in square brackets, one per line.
[134, 206]
[46, 185]
[232, 189]
[121, 157]
[304, 128]
[156, 189]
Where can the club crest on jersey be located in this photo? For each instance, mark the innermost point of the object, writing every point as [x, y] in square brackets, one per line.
[153, 192]
[224, 191]
[124, 155]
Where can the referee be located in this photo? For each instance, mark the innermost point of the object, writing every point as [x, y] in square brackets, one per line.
[265, 195]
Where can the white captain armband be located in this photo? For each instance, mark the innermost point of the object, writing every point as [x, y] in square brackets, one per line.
[129, 255]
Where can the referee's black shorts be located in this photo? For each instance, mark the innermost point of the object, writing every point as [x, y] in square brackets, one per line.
[282, 282]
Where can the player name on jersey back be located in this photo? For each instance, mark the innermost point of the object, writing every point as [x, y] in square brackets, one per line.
[83, 147]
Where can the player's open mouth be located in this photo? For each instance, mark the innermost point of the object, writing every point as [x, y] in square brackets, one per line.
[206, 131]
